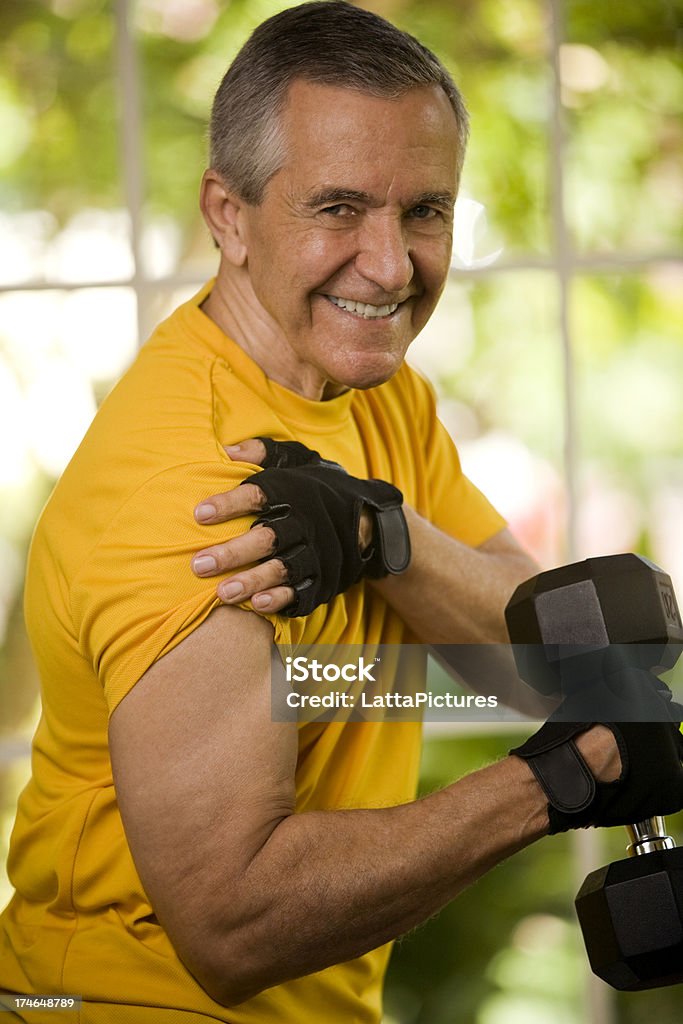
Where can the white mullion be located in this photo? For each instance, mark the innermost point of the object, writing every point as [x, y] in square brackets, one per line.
[564, 268]
[587, 846]
[180, 279]
[580, 264]
[130, 121]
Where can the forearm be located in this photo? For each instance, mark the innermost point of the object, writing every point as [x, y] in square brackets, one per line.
[329, 886]
[453, 593]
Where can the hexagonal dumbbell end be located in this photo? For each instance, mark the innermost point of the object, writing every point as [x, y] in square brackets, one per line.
[569, 617]
[631, 916]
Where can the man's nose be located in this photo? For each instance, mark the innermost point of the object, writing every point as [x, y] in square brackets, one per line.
[384, 254]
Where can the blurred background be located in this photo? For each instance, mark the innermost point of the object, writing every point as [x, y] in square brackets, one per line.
[557, 350]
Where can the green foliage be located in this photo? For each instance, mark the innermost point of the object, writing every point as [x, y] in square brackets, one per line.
[629, 353]
[60, 73]
[514, 348]
[496, 54]
[628, 22]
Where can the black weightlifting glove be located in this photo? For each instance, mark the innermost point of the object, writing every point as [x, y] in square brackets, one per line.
[314, 509]
[290, 454]
[651, 779]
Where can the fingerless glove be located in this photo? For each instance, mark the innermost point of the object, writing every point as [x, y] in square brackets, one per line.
[651, 779]
[314, 509]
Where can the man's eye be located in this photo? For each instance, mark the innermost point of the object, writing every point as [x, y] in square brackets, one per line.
[424, 212]
[338, 210]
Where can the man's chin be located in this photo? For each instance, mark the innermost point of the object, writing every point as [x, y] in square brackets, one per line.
[365, 372]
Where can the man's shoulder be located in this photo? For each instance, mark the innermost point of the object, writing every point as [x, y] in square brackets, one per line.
[152, 432]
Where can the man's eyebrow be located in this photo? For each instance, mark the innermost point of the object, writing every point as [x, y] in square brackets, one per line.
[332, 195]
[444, 200]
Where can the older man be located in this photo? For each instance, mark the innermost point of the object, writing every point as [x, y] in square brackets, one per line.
[178, 855]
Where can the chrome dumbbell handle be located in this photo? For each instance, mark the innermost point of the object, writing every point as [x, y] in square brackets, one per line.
[648, 836]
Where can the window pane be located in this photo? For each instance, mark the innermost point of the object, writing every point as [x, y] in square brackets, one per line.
[623, 90]
[493, 350]
[629, 371]
[59, 140]
[185, 50]
[497, 54]
[162, 301]
[59, 355]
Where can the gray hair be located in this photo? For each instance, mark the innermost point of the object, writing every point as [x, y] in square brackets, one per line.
[330, 42]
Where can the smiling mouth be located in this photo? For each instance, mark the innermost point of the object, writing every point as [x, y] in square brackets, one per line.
[363, 309]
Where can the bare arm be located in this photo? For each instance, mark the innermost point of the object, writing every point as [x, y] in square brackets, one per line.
[454, 596]
[250, 893]
[452, 593]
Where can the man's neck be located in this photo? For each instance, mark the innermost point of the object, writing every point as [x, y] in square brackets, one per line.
[240, 316]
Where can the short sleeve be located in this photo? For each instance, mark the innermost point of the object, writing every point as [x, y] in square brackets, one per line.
[456, 505]
[135, 597]
[459, 507]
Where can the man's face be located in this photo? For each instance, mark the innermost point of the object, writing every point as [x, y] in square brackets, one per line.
[349, 250]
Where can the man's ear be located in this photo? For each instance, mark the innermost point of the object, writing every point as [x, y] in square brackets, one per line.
[221, 208]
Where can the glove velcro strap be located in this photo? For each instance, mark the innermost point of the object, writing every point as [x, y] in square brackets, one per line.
[564, 777]
[391, 540]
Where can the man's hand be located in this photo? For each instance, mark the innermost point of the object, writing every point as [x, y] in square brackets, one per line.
[325, 528]
[642, 774]
[266, 582]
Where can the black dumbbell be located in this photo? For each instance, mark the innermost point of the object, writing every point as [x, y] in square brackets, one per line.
[571, 626]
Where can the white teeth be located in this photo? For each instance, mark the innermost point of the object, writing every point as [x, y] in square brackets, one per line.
[363, 309]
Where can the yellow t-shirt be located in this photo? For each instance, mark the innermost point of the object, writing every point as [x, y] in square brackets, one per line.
[110, 590]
